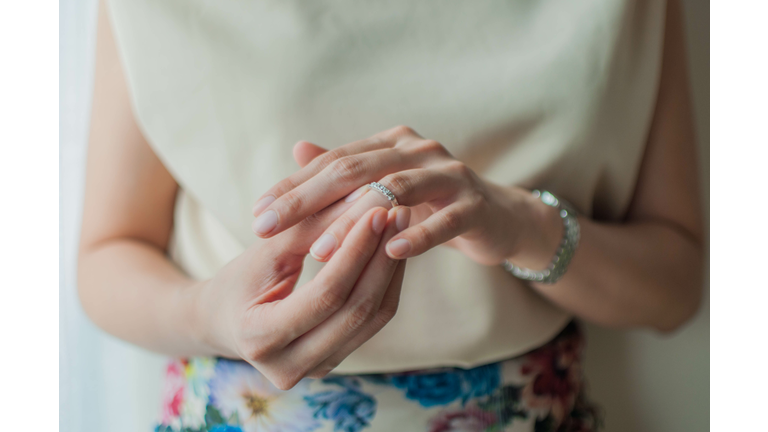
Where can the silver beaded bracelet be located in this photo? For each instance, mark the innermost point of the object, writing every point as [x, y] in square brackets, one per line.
[571, 235]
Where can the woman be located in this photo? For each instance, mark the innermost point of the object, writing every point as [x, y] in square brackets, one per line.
[586, 100]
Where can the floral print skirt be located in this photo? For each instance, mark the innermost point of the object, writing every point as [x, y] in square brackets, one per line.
[539, 391]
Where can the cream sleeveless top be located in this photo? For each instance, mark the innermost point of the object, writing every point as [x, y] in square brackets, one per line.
[543, 94]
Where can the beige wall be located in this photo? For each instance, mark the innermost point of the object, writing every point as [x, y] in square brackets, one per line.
[647, 382]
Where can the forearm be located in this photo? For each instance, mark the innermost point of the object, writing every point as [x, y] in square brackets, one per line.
[131, 290]
[646, 271]
[643, 273]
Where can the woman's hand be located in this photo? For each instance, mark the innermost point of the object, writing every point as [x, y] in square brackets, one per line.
[251, 311]
[489, 223]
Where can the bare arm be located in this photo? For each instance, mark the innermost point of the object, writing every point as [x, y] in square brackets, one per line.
[126, 284]
[248, 310]
[648, 270]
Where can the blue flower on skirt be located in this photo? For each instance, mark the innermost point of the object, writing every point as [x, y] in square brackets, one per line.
[480, 381]
[350, 409]
[430, 389]
[226, 428]
[442, 388]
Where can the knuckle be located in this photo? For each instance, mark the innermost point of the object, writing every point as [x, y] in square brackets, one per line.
[402, 130]
[357, 252]
[309, 222]
[399, 184]
[344, 223]
[387, 311]
[452, 221]
[261, 351]
[258, 346]
[280, 269]
[329, 300]
[361, 314]
[478, 200]
[292, 203]
[285, 380]
[432, 146]
[255, 354]
[460, 168]
[348, 169]
[423, 235]
[328, 158]
[282, 187]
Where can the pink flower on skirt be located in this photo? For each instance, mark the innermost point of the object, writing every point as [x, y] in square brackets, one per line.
[173, 392]
[469, 419]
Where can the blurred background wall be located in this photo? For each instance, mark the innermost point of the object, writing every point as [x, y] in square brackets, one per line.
[644, 382]
[104, 384]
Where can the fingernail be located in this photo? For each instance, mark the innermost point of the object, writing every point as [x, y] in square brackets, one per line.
[379, 221]
[399, 247]
[323, 246]
[356, 194]
[402, 218]
[265, 223]
[262, 204]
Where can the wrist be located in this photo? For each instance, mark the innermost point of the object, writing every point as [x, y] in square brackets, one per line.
[197, 319]
[540, 236]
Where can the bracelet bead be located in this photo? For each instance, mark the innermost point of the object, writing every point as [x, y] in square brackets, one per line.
[570, 241]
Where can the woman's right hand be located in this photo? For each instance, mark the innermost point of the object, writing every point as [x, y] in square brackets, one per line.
[250, 309]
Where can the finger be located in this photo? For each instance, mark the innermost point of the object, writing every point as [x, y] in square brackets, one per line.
[333, 237]
[385, 139]
[437, 229]
[387, 310]
[299, 238]
[304, 152]
[398, 132]
[360, 309]
[312, 303]
[291, 247]
[417, 186]
[397, 136]
[335, 181]
[318, 164]
[411, 187]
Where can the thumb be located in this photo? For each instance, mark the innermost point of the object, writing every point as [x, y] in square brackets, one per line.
[305, 151]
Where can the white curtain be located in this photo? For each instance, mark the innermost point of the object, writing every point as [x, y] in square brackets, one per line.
[104, 384]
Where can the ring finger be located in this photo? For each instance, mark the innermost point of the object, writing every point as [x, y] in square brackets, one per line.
[411, 188]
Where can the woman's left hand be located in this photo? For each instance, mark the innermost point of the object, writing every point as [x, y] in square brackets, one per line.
[451, 204]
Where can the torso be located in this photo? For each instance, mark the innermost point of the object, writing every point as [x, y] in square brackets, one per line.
[539, 94]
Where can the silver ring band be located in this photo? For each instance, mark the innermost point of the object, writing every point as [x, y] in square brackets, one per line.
[384, 191]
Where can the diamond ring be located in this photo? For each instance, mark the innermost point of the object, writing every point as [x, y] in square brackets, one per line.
[384, 191]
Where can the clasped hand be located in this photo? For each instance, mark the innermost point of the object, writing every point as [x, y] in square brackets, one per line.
[451, 204]
[326, 210]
